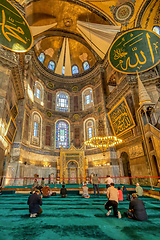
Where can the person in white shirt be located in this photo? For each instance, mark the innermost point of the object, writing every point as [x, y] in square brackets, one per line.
[108, 181]
[112, 195]
[85, 191]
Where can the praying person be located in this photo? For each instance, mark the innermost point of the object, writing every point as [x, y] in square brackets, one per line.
[137, 209]
[139, 190]
[35, 185]
[63, 191]
[120, 194]
[34, 202]
[158, 183]
[112, 195]
[85, 191]
[42, 184]
[46, 191]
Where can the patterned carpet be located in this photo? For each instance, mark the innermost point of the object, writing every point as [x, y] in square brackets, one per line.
[74, 218]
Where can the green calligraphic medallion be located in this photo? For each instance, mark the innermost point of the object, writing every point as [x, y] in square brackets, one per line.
[15, 34]
[135, 51]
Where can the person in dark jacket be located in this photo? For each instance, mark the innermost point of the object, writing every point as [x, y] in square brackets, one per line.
[137, 209]
[63, 191]
[34, 202]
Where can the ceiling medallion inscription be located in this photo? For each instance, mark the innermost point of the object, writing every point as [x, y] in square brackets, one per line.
[74, 89]
[67, 22]
[49, 114]
[124, 12]
[50, 85]
[76, 117]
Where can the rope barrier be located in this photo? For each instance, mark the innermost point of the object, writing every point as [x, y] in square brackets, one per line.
[79, 178]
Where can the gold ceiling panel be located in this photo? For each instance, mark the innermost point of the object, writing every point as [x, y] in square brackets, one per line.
[76, 49]
[64, 13]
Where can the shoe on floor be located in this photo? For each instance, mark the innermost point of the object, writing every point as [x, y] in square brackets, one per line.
[34, 215]
[108, 213]
[31, 215]
[119, 215]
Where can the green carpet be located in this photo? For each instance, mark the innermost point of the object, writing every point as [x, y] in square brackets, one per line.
[74, 218]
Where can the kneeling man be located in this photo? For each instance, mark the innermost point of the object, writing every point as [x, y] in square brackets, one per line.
[34, 202]
[112, 195]
[137, 209]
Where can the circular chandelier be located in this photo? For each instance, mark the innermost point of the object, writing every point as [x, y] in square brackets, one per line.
[103, 142]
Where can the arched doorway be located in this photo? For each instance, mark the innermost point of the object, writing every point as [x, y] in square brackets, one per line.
[126, 166]
[72, 172]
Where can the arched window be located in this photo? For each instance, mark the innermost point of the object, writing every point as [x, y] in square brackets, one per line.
[36, 129]
[156, 29]
[75, 69]
[41, 57]
[62, 134]
[51, 65]
[62, 102]
[86, 66]
[87, 98]
[38, 93]
[89, 129]
[63, 70]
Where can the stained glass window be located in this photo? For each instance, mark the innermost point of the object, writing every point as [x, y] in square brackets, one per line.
[62, 102]
[90, 129]
[87, 98]
[51, 65]
[156, 29]
[62, 134]
[63, 70]
[41, 57]
[38, 91]
[86, 65]
[35, 129]
[75, 69]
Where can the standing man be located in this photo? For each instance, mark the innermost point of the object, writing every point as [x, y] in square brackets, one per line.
[112, 195]
[139, 190]
[108, 181]
[34, 202]
[95, 181]
[137, 209]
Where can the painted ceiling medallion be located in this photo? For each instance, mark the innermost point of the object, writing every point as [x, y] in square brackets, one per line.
[124, 12]
[68, 22]
[76, 117]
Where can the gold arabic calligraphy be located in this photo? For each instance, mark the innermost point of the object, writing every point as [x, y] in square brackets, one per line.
[11, 30]
[121, 119]
[140, 57]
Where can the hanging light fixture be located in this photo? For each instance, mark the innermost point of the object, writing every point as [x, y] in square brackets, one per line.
[103, 142]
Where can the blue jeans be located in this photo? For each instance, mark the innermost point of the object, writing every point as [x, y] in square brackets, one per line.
[96, 187]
